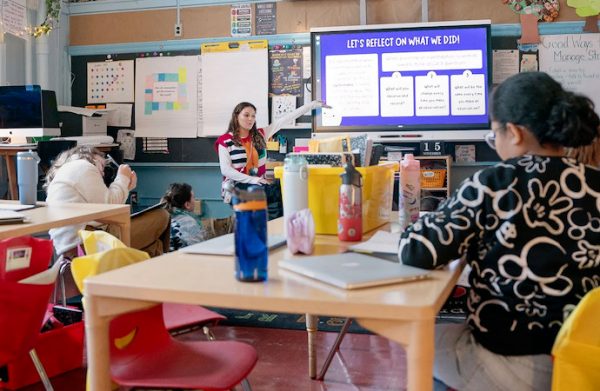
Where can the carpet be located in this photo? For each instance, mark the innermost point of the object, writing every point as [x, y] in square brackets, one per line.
[453, 311]
[244, 318]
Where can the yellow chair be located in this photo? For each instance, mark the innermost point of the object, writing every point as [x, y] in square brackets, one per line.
[178, 317]
[576, 350]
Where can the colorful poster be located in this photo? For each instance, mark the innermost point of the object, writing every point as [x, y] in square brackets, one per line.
[285, 67]
[241, 20]
[166, 96]
[110, 82]
[266, 19]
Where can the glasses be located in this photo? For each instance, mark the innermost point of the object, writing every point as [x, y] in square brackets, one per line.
[490, 139]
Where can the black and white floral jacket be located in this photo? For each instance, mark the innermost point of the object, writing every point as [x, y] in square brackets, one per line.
[530, 229]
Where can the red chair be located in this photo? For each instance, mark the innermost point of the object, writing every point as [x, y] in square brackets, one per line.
[179, 318]
[22, 309]
[26, 256]
[153, 358]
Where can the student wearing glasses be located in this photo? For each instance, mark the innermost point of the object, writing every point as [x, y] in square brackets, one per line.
[529, 227]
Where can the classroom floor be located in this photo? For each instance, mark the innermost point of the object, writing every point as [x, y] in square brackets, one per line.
[366, 362]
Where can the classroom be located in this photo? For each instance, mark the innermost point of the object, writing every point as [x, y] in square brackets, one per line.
[299, 194]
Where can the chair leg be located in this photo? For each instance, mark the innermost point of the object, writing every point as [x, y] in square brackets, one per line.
[208, 333]
[60, 286]
[246, 385]
[334, 348]
[40, 369]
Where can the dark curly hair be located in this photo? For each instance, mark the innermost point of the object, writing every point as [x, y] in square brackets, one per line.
[234, 127]
[177, 195]
[538, 102]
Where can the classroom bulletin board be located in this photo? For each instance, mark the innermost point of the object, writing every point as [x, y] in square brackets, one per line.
[292, 17]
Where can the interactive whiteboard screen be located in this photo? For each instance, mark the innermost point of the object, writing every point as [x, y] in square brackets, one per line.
[423, 77]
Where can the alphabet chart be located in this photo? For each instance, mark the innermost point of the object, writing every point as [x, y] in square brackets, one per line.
[110, 81]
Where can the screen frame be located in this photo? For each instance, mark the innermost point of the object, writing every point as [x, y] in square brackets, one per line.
[406, 133]
[40, 130]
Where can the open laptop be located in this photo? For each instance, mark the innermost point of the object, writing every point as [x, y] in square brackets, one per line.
[224, 245]
[353, 270]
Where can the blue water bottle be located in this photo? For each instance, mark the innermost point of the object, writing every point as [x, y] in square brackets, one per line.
[27, 176]
[251, 251]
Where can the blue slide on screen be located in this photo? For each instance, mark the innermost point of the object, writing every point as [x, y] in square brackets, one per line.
[425, 78]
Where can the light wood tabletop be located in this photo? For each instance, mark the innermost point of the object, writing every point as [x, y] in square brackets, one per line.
[44, 217]
[404, 313]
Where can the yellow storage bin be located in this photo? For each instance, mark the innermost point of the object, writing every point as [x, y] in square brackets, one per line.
[323, 194]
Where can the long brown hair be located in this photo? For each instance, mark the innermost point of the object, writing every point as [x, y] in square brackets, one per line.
[234, 127]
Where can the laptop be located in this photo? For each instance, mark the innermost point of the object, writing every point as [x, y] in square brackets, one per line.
[224, 245]
[353, 270]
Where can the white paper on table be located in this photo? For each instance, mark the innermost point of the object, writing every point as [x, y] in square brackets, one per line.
[381, 242]
[119, 114]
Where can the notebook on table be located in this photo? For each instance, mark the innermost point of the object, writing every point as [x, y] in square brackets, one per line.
[353, 270]
[224, 245]
[11, 216]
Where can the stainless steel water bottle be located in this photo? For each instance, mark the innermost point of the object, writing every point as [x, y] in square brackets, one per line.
[27, 176]
[295, 186]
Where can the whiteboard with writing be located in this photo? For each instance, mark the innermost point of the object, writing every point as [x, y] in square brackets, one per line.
[574, 61]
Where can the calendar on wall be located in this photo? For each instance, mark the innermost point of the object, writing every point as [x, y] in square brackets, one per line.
[110, 82]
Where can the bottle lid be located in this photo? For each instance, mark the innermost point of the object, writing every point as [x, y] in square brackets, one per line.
[351, 176]
[252, 198]
[28, 155]
[251, 193]
[294, 163]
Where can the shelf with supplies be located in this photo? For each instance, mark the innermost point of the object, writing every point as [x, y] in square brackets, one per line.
[435, 179]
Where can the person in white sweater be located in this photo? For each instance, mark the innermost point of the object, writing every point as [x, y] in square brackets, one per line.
[77, 176]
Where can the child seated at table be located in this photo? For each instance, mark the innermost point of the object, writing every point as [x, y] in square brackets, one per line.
[186, 226]
[529, 227]
[77, 176]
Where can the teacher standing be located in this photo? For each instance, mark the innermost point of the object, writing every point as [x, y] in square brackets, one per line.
[242, 149]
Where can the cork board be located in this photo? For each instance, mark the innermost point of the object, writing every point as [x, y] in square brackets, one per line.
[292, 17]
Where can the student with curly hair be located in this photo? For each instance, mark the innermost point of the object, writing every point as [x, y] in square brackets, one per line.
[529, 227]
[77, 176]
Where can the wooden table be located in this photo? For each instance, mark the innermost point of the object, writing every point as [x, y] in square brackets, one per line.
[404, 313]
[45, 217]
